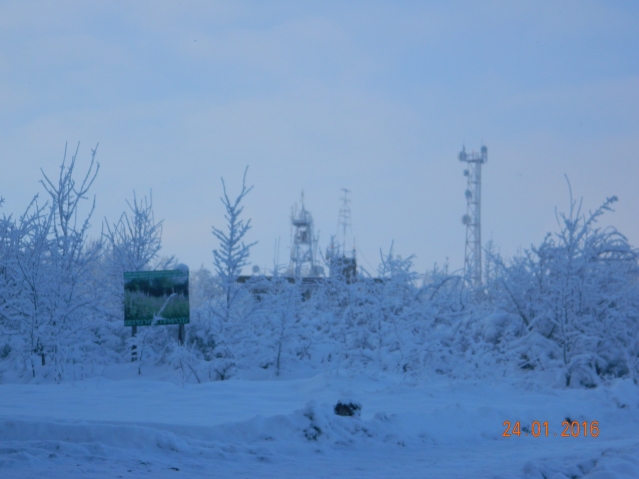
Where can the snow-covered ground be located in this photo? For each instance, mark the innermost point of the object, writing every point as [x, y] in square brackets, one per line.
[437, 427]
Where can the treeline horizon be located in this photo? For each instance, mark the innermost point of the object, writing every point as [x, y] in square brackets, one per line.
[565, 312]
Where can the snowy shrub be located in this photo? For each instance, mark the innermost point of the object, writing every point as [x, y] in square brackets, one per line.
[576, 296]
[500, 326]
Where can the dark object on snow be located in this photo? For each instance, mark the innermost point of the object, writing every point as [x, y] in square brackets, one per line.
[347, 408]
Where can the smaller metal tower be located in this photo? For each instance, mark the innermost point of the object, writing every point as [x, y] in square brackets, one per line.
[472, 218]
[304, 244]
[342, 265]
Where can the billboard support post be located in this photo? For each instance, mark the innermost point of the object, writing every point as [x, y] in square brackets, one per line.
[134, 347]
[181, 334]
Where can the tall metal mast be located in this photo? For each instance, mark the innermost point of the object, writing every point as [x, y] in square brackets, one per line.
[472, 218]
[344, 222]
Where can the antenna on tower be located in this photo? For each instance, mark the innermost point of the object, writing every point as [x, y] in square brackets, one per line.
[472, 218]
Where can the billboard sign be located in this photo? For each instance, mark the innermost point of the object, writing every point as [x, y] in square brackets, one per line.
[156, 297]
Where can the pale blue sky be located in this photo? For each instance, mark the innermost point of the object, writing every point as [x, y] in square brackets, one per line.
[377, 97]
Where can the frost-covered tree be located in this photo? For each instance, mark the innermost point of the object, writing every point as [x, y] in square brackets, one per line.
[232, 254]
[229, 258]
[26, 284]
[574, 301]
[75, 294]
[49, 289]
[136, 238]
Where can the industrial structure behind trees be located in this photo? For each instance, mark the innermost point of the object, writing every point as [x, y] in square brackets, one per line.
[304, 248]
[304, 259]
[342, 265]
[304, 265]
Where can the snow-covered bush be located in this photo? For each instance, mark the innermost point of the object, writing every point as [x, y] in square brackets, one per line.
[573, 301]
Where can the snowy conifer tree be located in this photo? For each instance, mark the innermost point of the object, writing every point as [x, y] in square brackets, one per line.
[232, 254]
[228, 260]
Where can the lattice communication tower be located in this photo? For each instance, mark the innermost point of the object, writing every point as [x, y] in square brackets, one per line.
[303, 262]
[472, 218]
[342, 264]
[344, 221]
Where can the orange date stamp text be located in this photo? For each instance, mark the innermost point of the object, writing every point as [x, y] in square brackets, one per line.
[570, 429]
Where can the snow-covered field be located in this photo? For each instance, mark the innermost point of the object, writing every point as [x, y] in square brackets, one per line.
[437, 427]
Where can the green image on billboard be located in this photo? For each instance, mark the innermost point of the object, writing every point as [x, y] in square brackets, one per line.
[156, 297]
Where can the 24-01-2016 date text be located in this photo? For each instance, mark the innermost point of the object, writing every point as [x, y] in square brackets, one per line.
[570, 429]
